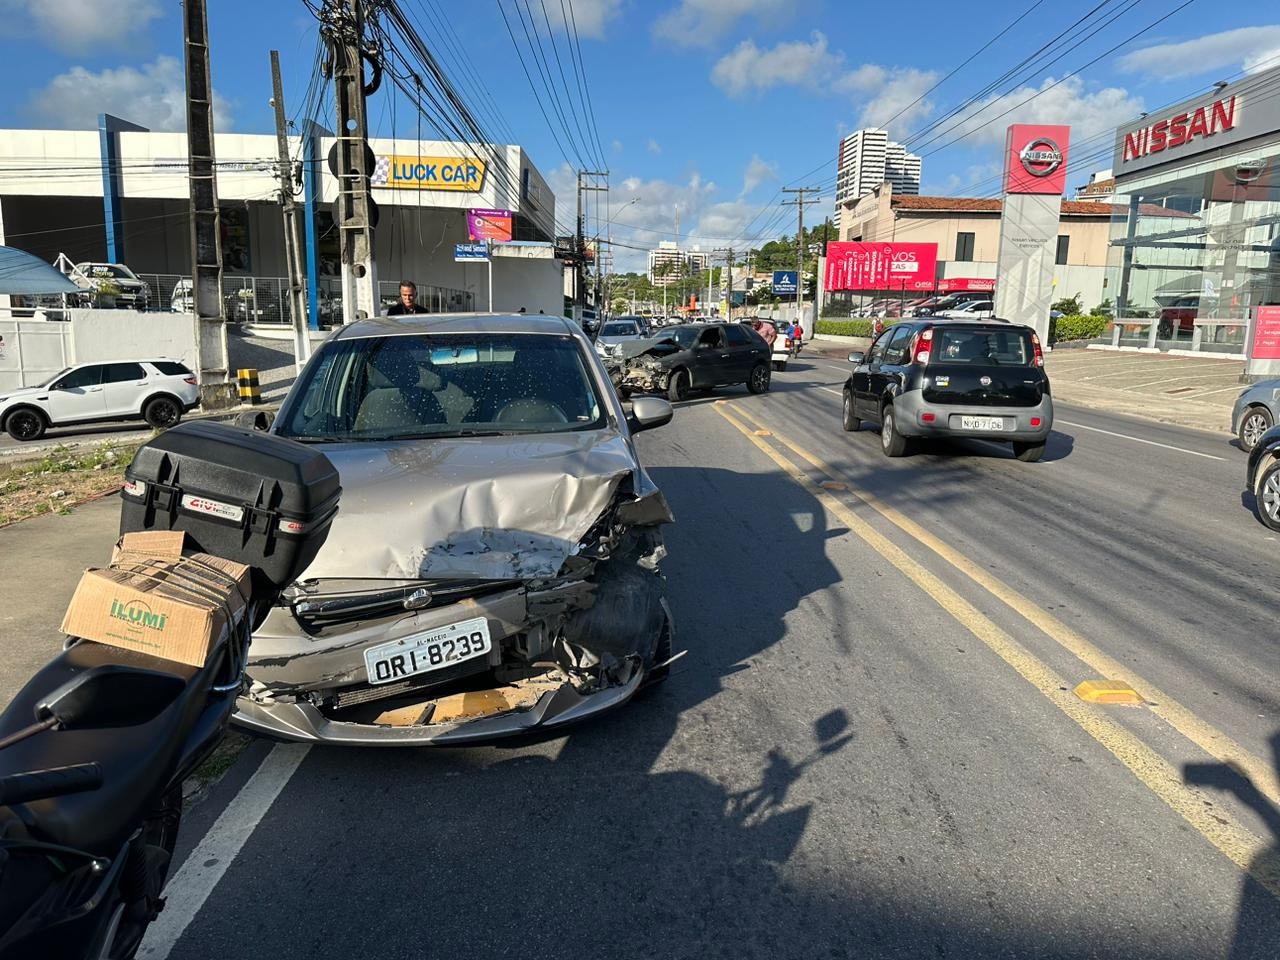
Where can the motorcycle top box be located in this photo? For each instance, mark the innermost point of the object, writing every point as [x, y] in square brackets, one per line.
[263, 500]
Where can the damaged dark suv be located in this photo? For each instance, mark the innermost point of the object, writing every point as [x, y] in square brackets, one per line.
[495, 564]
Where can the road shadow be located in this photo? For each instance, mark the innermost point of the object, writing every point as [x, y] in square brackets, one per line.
[1250, 503]
[1059, 447]
[1256, 928]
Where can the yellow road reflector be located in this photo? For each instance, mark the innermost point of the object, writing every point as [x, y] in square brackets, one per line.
[832, 485]
[1108, 691]
[763, 433]
[720, 403]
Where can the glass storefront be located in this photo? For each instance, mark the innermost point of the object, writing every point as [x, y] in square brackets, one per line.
[1195, 245]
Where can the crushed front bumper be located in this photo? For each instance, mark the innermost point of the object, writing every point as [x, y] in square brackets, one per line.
[303, 723]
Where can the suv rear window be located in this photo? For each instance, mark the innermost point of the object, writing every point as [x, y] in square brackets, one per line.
[171, 369]
[1010, 348]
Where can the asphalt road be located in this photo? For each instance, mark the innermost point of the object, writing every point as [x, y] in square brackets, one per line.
[872, 748]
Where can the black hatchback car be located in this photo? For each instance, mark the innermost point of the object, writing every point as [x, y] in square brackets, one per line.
[933, 377]
[692, 357]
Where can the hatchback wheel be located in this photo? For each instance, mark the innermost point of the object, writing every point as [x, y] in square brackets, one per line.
[1029, 452]
[1255, 423]
[25, 425]
[1269, 496]
[850, 419]
[162, 412]
[678, 386]
[892, 442]
[758, 382]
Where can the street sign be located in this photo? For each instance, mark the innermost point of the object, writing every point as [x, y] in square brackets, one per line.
[471, 252]
[786, 283]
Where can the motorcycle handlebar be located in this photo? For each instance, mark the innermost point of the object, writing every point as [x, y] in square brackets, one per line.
[45, 784]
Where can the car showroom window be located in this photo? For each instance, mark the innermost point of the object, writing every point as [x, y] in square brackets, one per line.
[121, 372]
[84, 377]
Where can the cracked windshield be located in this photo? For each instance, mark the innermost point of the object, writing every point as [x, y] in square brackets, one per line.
[599, 479]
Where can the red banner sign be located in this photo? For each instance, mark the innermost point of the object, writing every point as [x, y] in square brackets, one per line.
[855, 265]
[1266, 334]
[966, 285]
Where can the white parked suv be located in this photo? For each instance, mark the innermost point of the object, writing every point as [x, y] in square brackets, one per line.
[973, 310]
[157, 391]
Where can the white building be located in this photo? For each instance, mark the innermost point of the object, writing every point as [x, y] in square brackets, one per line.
[670, 262]
[120, 193]
[868, 158]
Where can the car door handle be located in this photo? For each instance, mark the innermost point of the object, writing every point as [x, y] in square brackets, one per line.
[95, 389]
[724, 356]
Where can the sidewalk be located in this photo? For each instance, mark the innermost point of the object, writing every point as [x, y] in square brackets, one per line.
[1195, 392]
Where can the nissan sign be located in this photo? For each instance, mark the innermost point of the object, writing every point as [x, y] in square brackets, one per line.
[1036, 158]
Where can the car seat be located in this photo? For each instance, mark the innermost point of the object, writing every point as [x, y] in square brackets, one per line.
[397, 397]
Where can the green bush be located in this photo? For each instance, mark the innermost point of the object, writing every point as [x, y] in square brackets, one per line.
[844, 328]
[1071, 306]
[1077, 327]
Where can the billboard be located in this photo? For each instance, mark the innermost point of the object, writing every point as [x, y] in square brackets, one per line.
[967, 285]
[785, 283]
[428, 173]
[856, 265]
[492, 225]
[1035, 158]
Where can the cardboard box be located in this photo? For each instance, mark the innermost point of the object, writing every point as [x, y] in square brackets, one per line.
[159, 598]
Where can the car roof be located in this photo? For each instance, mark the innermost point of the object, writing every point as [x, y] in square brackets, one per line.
[455, 323]
[962, 322]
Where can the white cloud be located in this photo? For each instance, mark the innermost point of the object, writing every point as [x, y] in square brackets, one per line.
[80, 25]
[702, 22]
[654, 146]
[893, 94]
[1245, 48]
[793, 62]
[1088, 113]
[153, 95]
[758, 171]
[589, 16]
[617, 146]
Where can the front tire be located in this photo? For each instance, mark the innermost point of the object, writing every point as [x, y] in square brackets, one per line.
[1029, 452]
[849, 419]
[678, 386]
[1256, 422]
[892, 442]
[1268, 499]
[25, 425]
[162, 412]
[758, 382]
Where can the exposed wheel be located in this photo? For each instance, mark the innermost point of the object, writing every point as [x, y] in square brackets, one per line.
[1255, 423]
[1029, 452]
[678, 386]
[1268, 502]
[162, 412]
[892, 442]
[659, 669]
[144, 881]
[758, 382]
[850, 421]
[25, 425]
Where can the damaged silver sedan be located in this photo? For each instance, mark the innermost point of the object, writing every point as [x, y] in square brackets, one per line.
[494, 567]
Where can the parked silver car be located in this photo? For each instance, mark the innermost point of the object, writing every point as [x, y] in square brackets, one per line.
[1255, 411]
[495, 563]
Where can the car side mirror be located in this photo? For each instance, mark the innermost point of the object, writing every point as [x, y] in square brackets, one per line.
[256, 419]
[649, 412]
[857, 356]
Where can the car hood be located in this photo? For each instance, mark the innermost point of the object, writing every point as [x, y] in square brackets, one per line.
[22, 393]
[657, 346]
[496, 508]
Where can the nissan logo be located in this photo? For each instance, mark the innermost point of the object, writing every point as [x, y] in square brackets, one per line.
[1040, 157]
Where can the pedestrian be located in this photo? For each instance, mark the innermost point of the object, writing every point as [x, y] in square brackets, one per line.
[768, 332]
[408, 300]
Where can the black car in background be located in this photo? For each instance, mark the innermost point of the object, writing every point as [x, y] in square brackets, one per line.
[935, 377]
[691, 357]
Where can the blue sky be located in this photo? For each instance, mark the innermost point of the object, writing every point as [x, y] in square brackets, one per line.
[708, 106]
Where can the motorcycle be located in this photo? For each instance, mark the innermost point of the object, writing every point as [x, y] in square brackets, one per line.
[95, 748]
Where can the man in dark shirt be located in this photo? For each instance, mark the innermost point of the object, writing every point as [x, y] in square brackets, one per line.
[408, 300]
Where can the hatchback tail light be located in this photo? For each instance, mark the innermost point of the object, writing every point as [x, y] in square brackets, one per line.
[1039, 357]
[920, 349]
[190, 380]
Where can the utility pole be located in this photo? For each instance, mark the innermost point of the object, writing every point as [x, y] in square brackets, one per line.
[799, 203]
[727, 253]
[292, 245]
[344, 31]
[206, 235]
[580, 272]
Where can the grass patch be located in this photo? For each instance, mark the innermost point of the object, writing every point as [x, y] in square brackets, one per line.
[215, 768]
[62, 478]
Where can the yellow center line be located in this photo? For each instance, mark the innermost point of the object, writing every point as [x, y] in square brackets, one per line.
[1213, 741]
[1241, 846]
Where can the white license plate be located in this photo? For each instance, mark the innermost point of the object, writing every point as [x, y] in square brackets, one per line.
[981, 423]
[433, 650]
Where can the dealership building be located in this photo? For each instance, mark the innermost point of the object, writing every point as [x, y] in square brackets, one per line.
[120, 194]
[1216, 159]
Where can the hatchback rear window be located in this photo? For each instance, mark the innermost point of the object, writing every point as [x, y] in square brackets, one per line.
[999, 347]
[170, 368]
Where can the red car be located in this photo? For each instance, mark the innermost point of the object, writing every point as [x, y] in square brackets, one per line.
[1183, 312]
